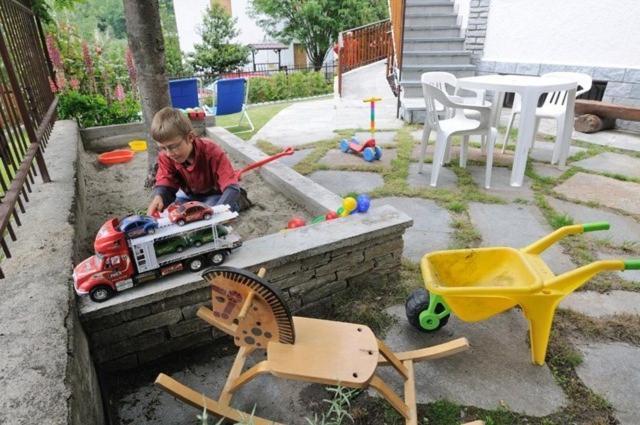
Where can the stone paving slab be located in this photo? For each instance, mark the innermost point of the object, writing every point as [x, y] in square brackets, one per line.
[343, 182]
[613, 163]
[474, 154]
[285, 401]
[383, 138]
[613, 371]
[446, 180]
[516, 226]
[297, 156]
[431, 230]
[546, 170]
[495, 371]
[543, 151]
[501, 183]
[603, 190]
[595, 304]
[632, 276]
[337, 158]
[622, 229]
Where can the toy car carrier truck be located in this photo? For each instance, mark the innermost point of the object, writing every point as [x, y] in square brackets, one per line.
[121, 262]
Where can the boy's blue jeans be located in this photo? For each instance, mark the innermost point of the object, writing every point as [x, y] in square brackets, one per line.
[230, 196]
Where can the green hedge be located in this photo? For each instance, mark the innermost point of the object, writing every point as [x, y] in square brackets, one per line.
[282, 86]
[94, 110]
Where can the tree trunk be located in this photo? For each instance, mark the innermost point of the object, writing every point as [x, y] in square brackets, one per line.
[146, 42]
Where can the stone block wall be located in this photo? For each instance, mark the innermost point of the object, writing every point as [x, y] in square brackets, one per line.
[139, 329]
[477, 29]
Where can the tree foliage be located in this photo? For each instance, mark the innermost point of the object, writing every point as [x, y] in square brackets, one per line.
[217, 54]
[315, 23]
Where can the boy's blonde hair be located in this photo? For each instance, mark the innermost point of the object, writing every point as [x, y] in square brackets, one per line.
[168, 124]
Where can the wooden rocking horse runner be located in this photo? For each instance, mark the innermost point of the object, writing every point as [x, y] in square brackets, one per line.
[327, 352]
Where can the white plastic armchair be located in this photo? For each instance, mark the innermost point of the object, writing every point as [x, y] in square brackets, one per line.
[447, 83]
[457, 125]
[554, 105]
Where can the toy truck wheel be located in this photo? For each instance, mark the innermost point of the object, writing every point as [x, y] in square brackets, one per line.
[100, 293]
[207, 216]
[417, 306]
[181, 222]
[179, 248]
[368, 154]
[195, 264]
[151, 231]
[344, 145]
[217, 258]
[378, 153]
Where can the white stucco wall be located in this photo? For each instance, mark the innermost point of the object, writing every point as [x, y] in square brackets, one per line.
[189, 17]
[573, 32]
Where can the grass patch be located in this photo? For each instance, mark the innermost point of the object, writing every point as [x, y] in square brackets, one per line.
[464, 234]
[260, 115]
[268, 148]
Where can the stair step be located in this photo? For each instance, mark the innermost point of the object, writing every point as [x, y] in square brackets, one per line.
[434, 43]
[431, 19]
[412, 87]
[431, 57]
[430, 8]
[428, 31]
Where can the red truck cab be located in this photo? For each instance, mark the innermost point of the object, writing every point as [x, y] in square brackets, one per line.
[111, 267]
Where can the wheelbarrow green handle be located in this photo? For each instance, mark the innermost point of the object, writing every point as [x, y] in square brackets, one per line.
[632, 264]
[542, 244]
[596, 225]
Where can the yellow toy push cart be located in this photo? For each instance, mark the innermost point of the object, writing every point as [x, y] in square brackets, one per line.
[478, 283]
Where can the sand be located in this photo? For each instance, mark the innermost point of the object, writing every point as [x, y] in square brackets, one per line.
[118, 190]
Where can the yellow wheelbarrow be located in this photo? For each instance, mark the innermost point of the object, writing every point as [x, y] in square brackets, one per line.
[478, 283]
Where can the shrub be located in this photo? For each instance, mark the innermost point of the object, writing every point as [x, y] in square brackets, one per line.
[93, 110]
[282, 86]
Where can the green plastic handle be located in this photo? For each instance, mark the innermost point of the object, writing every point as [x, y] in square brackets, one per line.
[632, 264]
[596, 225]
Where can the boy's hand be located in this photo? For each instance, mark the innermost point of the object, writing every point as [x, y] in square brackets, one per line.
[156, 206]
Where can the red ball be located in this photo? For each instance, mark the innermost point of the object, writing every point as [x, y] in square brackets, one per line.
[331, 215]
[296, 222]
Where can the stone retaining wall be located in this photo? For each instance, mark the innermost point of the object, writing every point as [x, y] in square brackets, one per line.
[310, 264]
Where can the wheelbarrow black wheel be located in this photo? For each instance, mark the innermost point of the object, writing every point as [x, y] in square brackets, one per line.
[417, 306]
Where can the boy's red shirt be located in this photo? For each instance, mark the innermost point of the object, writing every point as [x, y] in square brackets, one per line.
[211, 170]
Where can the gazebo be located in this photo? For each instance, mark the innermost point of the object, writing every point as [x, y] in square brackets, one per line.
[276, 47]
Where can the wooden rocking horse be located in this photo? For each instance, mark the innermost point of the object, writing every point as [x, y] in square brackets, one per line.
[246, 307]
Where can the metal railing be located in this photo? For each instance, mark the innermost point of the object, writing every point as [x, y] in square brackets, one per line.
[363, 45]
[397, 9]
[27, 111]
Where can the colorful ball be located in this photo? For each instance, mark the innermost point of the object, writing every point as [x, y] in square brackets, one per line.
[331, 215]
[296, 222]
[349, 204]
[364, 202]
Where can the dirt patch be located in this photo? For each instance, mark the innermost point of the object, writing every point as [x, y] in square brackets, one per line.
[118, 190]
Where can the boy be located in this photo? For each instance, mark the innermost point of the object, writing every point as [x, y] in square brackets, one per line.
[190, 168]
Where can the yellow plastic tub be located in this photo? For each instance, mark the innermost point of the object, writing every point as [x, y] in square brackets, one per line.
[138, 145]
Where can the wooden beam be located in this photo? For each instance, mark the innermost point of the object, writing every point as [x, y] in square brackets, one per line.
[607, 110]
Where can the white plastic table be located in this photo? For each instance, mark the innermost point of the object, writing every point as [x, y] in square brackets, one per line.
[530, 89]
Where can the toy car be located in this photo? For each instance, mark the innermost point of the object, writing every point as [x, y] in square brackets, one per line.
[138, 225]
[368, 149]
[188, 212]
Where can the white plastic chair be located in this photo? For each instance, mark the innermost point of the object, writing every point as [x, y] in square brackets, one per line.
[554, 104]
[441, 80]
[458, 125]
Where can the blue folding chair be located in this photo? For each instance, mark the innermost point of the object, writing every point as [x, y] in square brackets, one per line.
[231, 98]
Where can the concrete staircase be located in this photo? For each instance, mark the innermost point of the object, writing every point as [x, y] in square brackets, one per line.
[432, 42]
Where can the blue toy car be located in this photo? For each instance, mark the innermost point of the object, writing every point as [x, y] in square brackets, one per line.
[138, 225]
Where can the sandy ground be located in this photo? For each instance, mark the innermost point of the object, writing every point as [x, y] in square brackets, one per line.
[118, 190]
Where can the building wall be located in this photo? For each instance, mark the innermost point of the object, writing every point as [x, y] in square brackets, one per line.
[576, 32]
[189, 17]
[587, 36]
